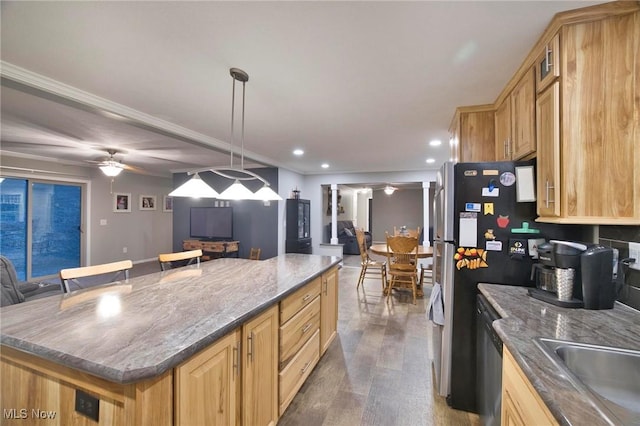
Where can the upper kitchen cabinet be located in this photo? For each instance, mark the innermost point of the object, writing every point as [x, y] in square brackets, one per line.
[515, 121]
[548, 64]
[595, 178]
[471, 134]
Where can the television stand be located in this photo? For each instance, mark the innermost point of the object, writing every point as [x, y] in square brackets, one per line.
[213, 249]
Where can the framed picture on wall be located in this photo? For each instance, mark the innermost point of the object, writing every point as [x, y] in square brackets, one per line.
[121, 202]
[147, 202]
[167, 204]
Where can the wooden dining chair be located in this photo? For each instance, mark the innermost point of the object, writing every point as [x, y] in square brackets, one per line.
[254, 254]
[72, 275]
[410, 232]
[402, 260]
[181, 258]
[369, 266]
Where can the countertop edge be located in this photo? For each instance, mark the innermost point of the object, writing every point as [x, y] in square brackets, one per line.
[140, 374]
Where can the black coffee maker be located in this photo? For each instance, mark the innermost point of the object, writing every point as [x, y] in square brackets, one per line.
[574, 275]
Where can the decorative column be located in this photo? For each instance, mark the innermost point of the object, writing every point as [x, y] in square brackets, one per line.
[334, 213]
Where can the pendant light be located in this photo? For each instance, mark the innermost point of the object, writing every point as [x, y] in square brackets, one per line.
[236, 191]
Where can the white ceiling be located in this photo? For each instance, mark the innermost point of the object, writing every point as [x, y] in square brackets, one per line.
[363, 86]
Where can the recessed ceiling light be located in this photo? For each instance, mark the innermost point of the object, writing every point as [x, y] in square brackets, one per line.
[298, 152]
[435, 142]
[431, 160]
[324, 166]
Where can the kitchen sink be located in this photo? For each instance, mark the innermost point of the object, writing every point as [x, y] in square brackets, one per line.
[610, 376]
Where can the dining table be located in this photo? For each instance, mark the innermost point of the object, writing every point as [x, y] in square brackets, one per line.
[423, 253]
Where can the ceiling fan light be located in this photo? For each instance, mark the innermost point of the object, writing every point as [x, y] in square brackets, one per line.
[195, 188]
[267, 194]
[389, 190]
[237, 191]
[111, 169]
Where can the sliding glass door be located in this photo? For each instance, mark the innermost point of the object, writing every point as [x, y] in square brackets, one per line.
[40, 225]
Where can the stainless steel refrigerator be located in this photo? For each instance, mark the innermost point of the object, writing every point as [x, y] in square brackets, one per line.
[477, 208]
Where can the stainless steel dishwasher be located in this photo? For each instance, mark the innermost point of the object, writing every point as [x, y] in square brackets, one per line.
[489, 364]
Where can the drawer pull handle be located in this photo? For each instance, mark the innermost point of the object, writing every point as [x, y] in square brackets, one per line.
[250, 351]
[548, 187]
[306, 297]
[306, 328]
[304, 369]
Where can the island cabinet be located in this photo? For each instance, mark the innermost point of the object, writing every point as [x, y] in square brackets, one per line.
[515, 122]
[472, 134]
[299, 339]
[588, 126]
[329, 307]
[521, 404]
[207, 386]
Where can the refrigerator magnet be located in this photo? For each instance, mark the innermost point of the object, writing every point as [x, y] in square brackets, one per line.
[491, 192]
[472, 207]
[502, 221]
[493, 246]
[488, 208]
[489, 235]
[490, 172]
[507, 179]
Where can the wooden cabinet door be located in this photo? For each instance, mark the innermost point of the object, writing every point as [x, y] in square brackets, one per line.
[548, 147]
[523, 104]
[260, 369]
[477, 135]
[521, 403]
[548, 64]
[207, 385]
[328, 309]
[503, 130]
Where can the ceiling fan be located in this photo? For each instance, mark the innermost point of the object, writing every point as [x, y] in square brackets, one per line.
[112, 167]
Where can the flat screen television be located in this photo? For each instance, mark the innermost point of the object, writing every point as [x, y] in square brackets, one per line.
[212, 223]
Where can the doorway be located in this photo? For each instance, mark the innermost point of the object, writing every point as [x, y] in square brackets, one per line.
[41, 226]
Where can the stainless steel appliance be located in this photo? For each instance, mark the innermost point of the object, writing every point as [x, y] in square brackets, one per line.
[476, 215]
[489, 364]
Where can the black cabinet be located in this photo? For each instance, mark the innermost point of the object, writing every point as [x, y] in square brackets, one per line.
[298, 238]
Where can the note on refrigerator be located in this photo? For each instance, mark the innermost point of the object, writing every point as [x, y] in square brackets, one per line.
[468, 229]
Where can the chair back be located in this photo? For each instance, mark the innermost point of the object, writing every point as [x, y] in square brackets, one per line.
[169, 260]
[408, 232]
[254, 254]
[72, 274]
[362, 246]
[402, 252]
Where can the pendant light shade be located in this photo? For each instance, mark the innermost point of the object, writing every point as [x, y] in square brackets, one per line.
[111, 168]
[196, 188]
[267, 194]
[237, 191]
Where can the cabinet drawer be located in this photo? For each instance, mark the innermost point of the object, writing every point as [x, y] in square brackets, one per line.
[298, 300]
[294, 375]
[295, 332]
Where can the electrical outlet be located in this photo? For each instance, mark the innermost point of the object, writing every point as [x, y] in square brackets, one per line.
[88, 405]
[634, 253]
[124, 249]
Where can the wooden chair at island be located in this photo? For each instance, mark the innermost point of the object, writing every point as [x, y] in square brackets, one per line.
[72, 275]
[254, 254]
[369, 266]
[181, 258]
[402, 260]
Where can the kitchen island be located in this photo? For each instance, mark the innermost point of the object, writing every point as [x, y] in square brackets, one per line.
[524, 319]
[125, 344]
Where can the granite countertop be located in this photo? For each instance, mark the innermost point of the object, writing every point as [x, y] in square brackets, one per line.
[137, 329]
[525, 318]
